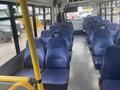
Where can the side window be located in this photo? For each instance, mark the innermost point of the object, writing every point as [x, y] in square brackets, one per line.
[116, 11]
[40, 22]
[48, 17]
[4, 12]
[108, 11]
[7, 46]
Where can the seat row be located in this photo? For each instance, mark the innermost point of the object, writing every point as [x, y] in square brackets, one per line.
[100, 35]
[54, 50]
[103, 39]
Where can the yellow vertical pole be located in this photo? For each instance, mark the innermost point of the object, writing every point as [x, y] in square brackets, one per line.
[31, 42]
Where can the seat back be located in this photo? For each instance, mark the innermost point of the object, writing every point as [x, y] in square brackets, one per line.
[57, 53]
[101, 40]
[65, 32]
[114, 27]
[45, 36]
[117, 38]
[40, 52]
[94, 28]
[97, 18]
[46, 33]
[111, 64]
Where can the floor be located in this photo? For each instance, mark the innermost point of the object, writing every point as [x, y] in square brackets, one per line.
[83, 75]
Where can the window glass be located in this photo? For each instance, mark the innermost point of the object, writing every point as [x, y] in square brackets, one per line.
[30, 10]
[82, 12]
[116, 11]
[7, 46]
[4, 12]
[36, 10]
[17, 10]
[40, 24]
[77, 18]
[108, 11]
[21, 33]
[41, 10]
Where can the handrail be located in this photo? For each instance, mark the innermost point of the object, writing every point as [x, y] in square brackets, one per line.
[26, 85]
[31, 43]
[14, 79]
[19, 81]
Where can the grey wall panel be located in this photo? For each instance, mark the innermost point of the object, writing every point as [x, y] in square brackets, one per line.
[13, 65]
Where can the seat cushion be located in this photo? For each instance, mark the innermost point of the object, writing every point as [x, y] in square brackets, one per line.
[26, 72]
[55, 79]
[97, 61]
[111, 84]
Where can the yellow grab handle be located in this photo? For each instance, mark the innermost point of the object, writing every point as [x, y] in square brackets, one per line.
[26, 85]
[14, 79]
[19, 81]
[31, 43]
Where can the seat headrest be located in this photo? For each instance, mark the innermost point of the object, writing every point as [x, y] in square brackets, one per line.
[57, 42]
[46, 33]
[56, 34]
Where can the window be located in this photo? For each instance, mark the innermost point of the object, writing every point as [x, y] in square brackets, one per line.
[30, 10]
[39, 22]
[7, 46]
[4, 12]
[116, 11]
[37, 11]
[21, 33]
[48, 17]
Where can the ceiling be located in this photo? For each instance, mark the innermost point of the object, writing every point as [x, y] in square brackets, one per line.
[49, 2]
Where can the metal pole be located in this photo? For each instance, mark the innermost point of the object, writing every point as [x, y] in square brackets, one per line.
[31, 43]
[34, 22]
[100, 10]
[111, 11]
[44, 18]
[105, 11]
[14, 29]
[51, 15]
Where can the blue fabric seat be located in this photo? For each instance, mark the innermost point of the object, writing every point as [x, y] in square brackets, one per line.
[90, 20]
[94, 27]
[28, 68]
[111, 85]
[57, 49]
[97, 18]
[67, 36]
[45, 36]
[97, 60]
[40, 52]
[113, 27]
[117, 38]
[65, 32]
[101, 40]
[69, 25]
[110, 73]
[55, 79]
[86, 22]
[26, 72]
[57, 65]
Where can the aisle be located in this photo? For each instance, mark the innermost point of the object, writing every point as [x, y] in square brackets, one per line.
[83, 76]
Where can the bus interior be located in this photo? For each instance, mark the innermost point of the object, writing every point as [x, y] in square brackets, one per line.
[76, 43]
